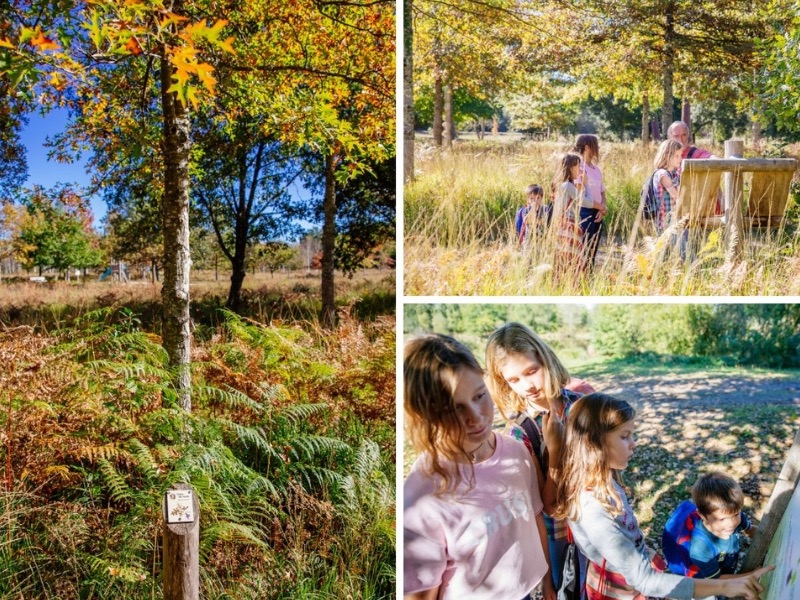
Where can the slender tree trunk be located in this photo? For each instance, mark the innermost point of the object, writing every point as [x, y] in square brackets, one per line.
[408, 91]
[438, 110]
[669, 68]
[238, 273]
[448, 133]
[645, 119]
[686, 117]
[177, 262]
[495, 125]
[328, 316]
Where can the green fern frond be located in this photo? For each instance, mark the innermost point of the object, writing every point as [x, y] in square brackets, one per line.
[312, 445]
[118, 488]
[313, 477]
[302, 412]
[144, 460]
[231, 397]
[109, 569]
[250, 437]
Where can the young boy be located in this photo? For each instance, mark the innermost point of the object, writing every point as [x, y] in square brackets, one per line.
[717, 523]
[533, 210]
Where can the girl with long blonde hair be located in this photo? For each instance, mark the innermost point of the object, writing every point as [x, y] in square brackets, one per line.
[529, 386]
[599, 445]
[666, 180]
[472, 517]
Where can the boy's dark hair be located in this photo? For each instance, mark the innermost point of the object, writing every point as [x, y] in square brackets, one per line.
[717, 491]
[534, 189]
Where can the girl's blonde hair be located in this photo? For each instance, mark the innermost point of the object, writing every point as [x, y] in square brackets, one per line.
[665, 151]
[584, 464]
[514, 338]
[432, 365]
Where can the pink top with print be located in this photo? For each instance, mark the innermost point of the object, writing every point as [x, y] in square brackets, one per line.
[480, 543]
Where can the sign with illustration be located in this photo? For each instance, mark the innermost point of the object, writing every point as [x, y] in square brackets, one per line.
[179, 506]
[784, 553]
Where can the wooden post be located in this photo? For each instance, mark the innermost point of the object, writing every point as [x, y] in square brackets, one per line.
[181, 545]
[776, 506]
[734, 187]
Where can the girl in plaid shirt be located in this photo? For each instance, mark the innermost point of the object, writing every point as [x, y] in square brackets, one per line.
[666, 180]
[528, 384]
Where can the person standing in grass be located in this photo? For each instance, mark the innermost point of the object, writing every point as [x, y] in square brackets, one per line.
[570, 193]
[529, 386]
[472, 513]
[599, 444]
[666, 181]
[593, 207]
[679, 131]
[534, 216]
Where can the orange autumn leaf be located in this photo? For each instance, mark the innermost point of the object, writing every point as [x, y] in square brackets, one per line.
[6, 44]
[43, 42]
[133, 47]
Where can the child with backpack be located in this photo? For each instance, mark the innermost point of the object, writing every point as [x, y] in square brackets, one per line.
[472, 517]
[534, 212]
[598, 446]
[665, 182]
[701, 537]
[529, 386]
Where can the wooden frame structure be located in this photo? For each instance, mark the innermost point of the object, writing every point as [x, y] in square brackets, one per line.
[776, 506]
[699, 194]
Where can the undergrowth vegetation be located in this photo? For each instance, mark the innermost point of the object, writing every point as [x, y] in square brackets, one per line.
[290, 447]
[460, 238]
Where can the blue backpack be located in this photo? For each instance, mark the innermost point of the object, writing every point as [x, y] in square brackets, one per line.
[677, 539]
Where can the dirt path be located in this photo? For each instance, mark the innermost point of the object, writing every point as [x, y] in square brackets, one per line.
[700, 390]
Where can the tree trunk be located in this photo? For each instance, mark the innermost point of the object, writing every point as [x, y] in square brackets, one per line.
[438, 109]
[177, 261]
[656, 131]
[328, 316]
[448, 133]
[408, 91]
[686, 117]
[495, 125]
[238, 273]
[669, 68]
[645, 119]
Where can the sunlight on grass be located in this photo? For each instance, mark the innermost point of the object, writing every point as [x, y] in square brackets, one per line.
[460, 239]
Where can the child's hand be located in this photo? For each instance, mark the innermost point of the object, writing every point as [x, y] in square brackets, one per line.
[747, 584]
[554, 432]
[548, 589]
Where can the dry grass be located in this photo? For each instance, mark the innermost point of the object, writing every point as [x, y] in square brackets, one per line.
[284, 297]
[460, 239]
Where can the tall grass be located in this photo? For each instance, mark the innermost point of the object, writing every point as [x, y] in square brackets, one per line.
[460, 239]
[289, 446]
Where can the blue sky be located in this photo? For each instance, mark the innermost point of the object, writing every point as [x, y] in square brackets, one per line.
[47, 173]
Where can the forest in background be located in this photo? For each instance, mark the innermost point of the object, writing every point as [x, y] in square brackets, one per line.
[624, 70]
[746, 335]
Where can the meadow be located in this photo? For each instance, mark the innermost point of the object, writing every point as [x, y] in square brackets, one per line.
[290, 444]
[460, 240]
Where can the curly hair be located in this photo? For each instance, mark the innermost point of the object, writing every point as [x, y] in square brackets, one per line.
[432, 365]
